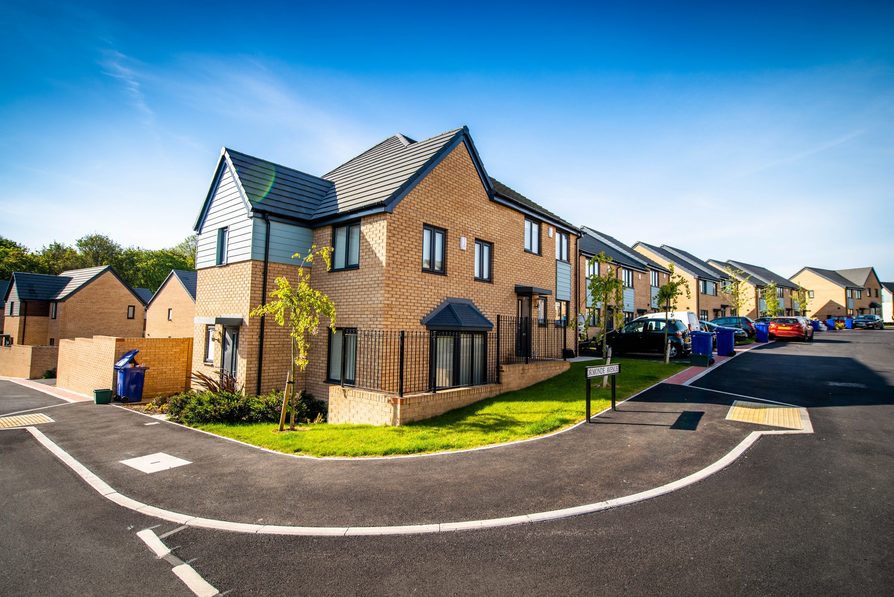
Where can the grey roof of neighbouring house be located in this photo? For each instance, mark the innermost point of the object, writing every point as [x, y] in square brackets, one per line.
[831, 276]
[46, 287]
[761, 274]
[187, 279]
[512, 195]
[457, 314]
[4, 284]
[593, 242]
[375, 180]
[889, 286]
[145, 294]
[709, 270]
[709, 273]
[857, 275]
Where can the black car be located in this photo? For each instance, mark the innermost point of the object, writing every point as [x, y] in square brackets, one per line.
[647, 335]
[869, 322]
[744, 323]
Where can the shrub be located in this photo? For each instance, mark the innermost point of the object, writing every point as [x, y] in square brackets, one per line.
[50, 373]
[196, 408]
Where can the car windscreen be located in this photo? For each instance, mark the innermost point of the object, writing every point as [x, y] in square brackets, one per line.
[786, 320]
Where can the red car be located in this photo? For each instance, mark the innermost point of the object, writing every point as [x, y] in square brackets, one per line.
[798, 328]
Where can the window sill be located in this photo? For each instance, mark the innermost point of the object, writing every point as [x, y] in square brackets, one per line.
[435, 272]
[345, 269]
[485, 280]
[533, 253]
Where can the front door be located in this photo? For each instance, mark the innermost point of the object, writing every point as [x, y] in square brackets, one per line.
[523, 327]
[230, 350]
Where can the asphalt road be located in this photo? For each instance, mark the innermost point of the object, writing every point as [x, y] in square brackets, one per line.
[796, 515]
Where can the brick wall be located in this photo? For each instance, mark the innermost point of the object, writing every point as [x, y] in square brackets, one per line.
[356, 406]
[828, 298]
[86, 364]
[27, 361]
[183, 310]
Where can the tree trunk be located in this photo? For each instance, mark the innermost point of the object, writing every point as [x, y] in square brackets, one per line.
[292, 391]
[608, 361]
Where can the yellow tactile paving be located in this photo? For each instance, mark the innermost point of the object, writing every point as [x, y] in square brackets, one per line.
[773, 415]
[24, 420]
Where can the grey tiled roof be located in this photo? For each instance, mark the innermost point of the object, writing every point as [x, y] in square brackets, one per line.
[144, 293]
[376, 175]
[762, 275]
[857, 275]
[457, 314]
[888, 285]
[4, 285]
[593, 242]
[278, 189]
[45, 287]
[832, 276]
[703, 268]
[188, 279]
[511, 194]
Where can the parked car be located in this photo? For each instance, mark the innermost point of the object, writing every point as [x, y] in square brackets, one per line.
[646, 334]
[744, 323]
[791, 327]
[687, 317]
[869, 322]
[710, 326]
[764, 319]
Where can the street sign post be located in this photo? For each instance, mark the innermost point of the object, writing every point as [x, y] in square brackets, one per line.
[602, 371]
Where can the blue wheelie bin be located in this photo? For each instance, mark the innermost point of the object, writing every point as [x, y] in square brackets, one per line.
[849, 323]
[129, 377]
[830, 324]
[815, 324]
[762, 332]
[702, 348]
[726, 341]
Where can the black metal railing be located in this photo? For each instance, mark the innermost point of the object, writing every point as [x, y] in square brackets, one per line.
[410, 362]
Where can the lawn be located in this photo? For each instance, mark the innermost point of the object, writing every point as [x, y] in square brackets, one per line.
[539, 409]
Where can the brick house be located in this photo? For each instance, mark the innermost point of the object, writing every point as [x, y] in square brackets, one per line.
[171, 310]
[705, 281]
[642, 276]
[840, 293]
[42, 309]
[754, 281]
[426, 245]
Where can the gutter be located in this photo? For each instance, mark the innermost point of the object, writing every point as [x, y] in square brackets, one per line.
[263, 301]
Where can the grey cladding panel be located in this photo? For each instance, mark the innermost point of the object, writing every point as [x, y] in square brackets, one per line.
[227, 210]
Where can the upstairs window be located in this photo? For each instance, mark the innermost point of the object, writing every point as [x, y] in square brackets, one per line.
[170, 314]
[561, 246]
[653, 279]
[707, 287]
[809, 294]
[346, 246]
[223, 238]
[849, 293]
[780, 292]
[627, 277]
[53, 307]
[12, 306]
[592, 268]
[859, 293]
[532, 236]
[433, 249]
[131, 311]
[483, 260]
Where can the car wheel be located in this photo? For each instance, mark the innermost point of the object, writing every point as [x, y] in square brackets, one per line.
[673, 351]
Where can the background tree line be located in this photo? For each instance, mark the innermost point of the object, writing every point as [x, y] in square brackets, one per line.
[141, 268]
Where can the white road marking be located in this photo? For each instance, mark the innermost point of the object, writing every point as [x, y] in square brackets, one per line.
[153, 463]
[154, 543]
[846, 384]
[208, 523]
[153, 423]
[31, 410]
[196, 583]
[743, 396]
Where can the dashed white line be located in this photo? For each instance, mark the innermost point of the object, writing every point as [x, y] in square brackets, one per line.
[184, 571]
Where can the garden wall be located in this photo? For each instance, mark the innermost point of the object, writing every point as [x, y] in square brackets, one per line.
[358, 406]
[22, 360]
[87, 364]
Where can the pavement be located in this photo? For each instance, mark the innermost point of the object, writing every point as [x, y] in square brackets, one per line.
[794, 514]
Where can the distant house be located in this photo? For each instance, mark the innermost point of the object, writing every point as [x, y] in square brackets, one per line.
[754, 280]
[705, 281]
[888, 301]
[4, 284]
[641, 275]
[171, 310]
[840, 293]
[42, 309]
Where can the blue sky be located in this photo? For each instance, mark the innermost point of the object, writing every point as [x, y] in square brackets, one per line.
[764, 135]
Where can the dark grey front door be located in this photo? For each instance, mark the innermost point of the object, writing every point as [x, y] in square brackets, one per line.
[230, 350]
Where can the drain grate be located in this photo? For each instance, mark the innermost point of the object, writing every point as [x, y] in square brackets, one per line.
[772, 415]
[24, 420]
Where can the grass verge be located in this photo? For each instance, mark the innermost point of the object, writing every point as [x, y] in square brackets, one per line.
[536, 410]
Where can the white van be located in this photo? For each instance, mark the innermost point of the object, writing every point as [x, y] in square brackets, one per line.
[687, 317]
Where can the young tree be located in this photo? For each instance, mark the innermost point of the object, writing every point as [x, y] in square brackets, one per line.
[732, 290]
[803, 296]
[607, 290]
[771, 300]
[668, 295]
[300, 308]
